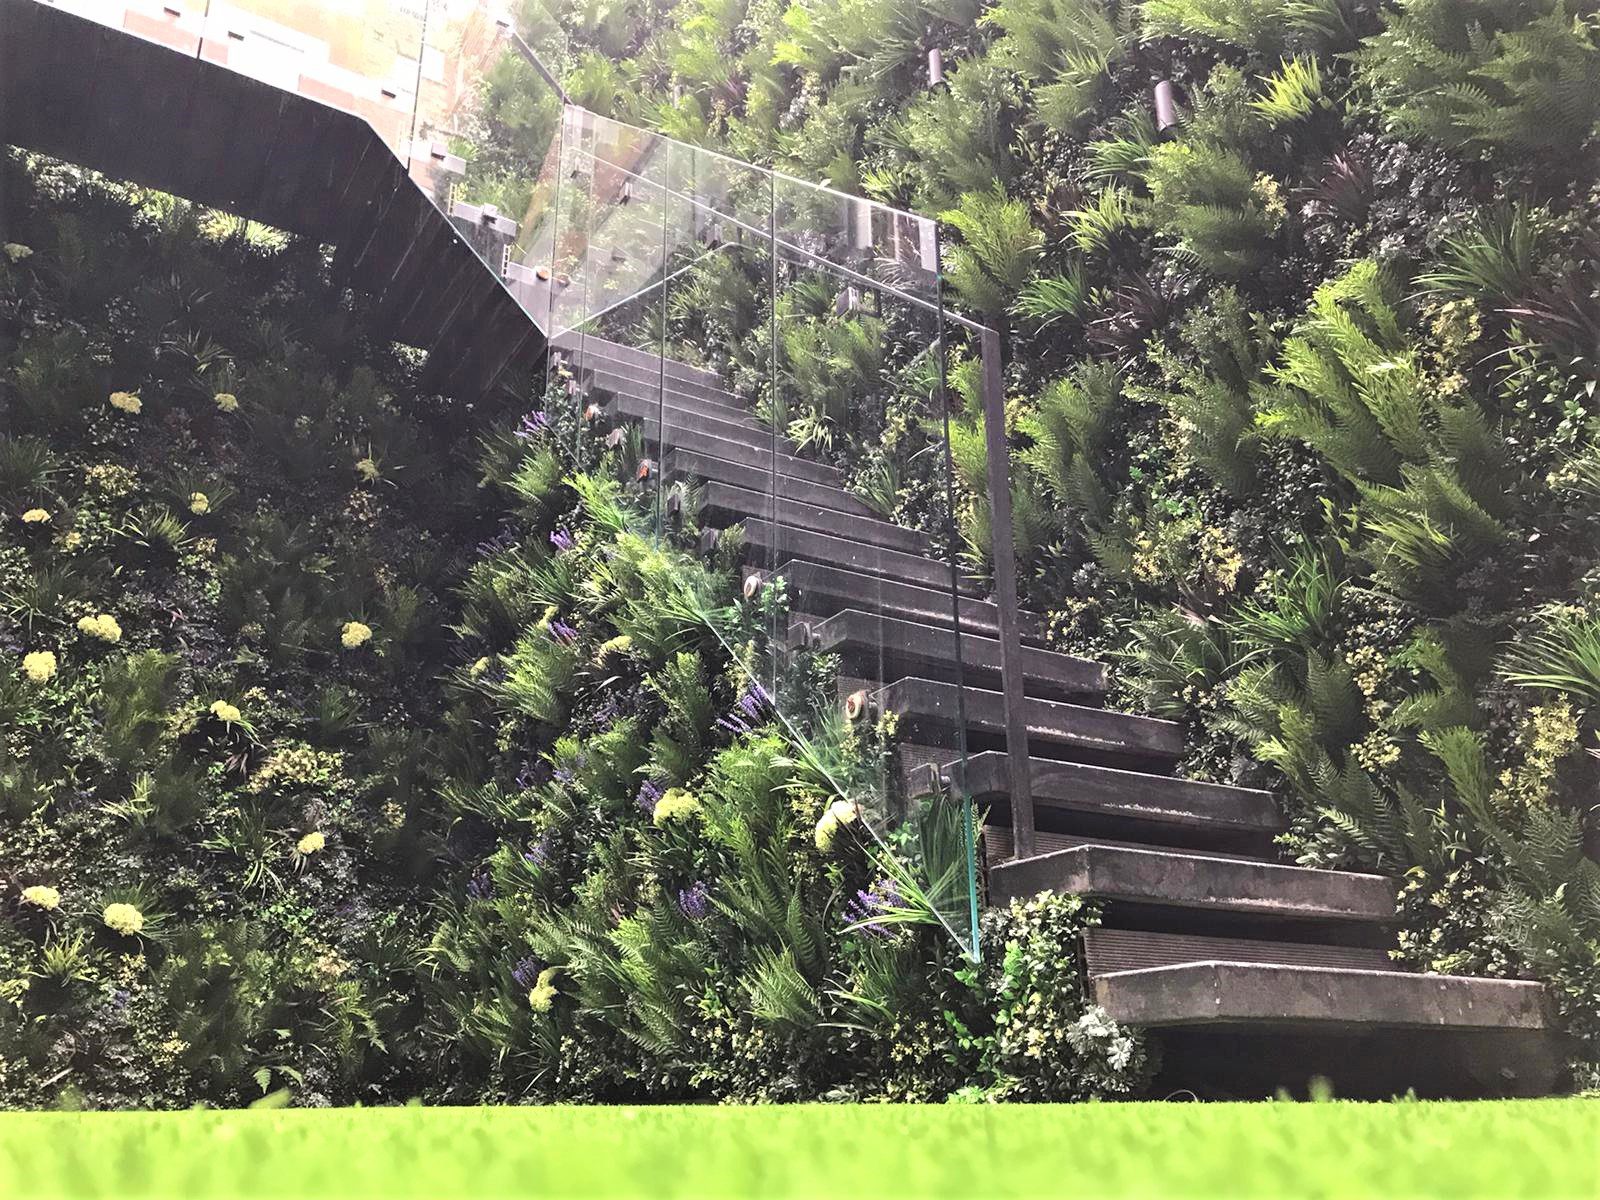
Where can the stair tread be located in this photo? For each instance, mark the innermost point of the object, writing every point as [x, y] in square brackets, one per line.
[1212, 993]
[1161, 799]
[896, 643]
[735, 504]
[1166, 877]
[998, 845]
[589, 346]
[794, 543]
[681, 463]
[1053, 725]
[1111, 950]
[762, 458]
[677, 393]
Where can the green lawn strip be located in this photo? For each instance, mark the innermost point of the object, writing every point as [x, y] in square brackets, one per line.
[1532, 1148]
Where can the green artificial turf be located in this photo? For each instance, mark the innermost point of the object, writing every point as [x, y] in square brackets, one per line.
[1531, 1148]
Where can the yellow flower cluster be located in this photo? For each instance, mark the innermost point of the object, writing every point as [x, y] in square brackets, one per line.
[311, 843]
[104, 627]
[123, 918]
[40, 666]
[355, 635]
[199, 503]
[16, 251]
[367, 469]
[127, 402]
[478, 668]
[35, 516]
[111, 478]
[41, 896]
[543, 993]
[839, 814]
[224, 711]
[227, 402]
[679, 804]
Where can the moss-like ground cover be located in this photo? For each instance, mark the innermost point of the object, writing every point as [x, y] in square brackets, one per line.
[1538, 1148]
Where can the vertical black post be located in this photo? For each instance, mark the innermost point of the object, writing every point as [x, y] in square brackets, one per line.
[1003, 546]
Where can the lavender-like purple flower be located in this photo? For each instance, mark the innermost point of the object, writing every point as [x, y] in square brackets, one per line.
[563, 633]
[533, 425]
[527, 775]
[649, 792]
[481, 886]
[538, 854]
[503, 540]
[526, 973]
[606, 715]
[562, 540]
[692, 901]
[871, 902]
[748, 711]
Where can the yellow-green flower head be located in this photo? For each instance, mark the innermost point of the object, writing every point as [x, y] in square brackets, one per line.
[104, 627]
[41, 896]
[478, 668]
[40, 666]
[35, 516]
[679, 804]
[16, 251]
[224, 711]
[123, 918]
[199, 503]
[838, 815]
[127, 402]
[311, 843]
[367, 469]
[227, 401]
[355, 635]
[543, 993]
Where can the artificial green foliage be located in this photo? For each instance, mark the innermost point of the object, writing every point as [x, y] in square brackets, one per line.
[1510, 76]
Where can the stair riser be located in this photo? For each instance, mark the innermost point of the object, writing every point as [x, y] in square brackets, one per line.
[719, 404]
[1261, 891]
[684, 464]
[1061, 731]
[759, 458]
[650, 413]
[723, 505]
[766, 545]
[589, 351]
[885, 649]
[1110, 950]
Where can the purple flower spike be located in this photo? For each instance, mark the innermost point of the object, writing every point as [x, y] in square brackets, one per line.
[532, 426]
[872, 902]
[526, 973]
[563, 633]
[692, 901]
[562, 540]
[481, 886]
[649, 793]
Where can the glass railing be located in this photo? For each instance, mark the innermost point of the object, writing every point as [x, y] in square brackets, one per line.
[765, 356]
[768, 358]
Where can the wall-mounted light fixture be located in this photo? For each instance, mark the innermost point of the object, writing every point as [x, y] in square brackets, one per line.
[1166, 102]
[935, 67]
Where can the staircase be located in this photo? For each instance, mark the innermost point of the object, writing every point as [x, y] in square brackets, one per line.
[1254, 974]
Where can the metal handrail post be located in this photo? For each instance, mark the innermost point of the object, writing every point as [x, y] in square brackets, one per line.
[1003, 545]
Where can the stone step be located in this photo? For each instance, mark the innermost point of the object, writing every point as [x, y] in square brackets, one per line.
[699, 419]
[687, 464]
[1174, 879]
[1109, 950]
[643, 386]
[723, 504]
[1064, 791]
[790, 544]
[1273, 995]
[884, 648]
[822, 590]
[999, 848]
[587, 349]
[1055, 729]
[761, 458]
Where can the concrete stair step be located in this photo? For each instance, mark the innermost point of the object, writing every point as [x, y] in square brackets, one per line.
[723, 504]
[877, 647]
[585, 349]
[789, 544]
[643, 386]
[1109, 950]
[1066, 791]
[820, 590]
[760, 457]
[699, 419]
[1055, 729]
[687, 464]
[999, 848]
[1175, 879]
[1272, 995]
